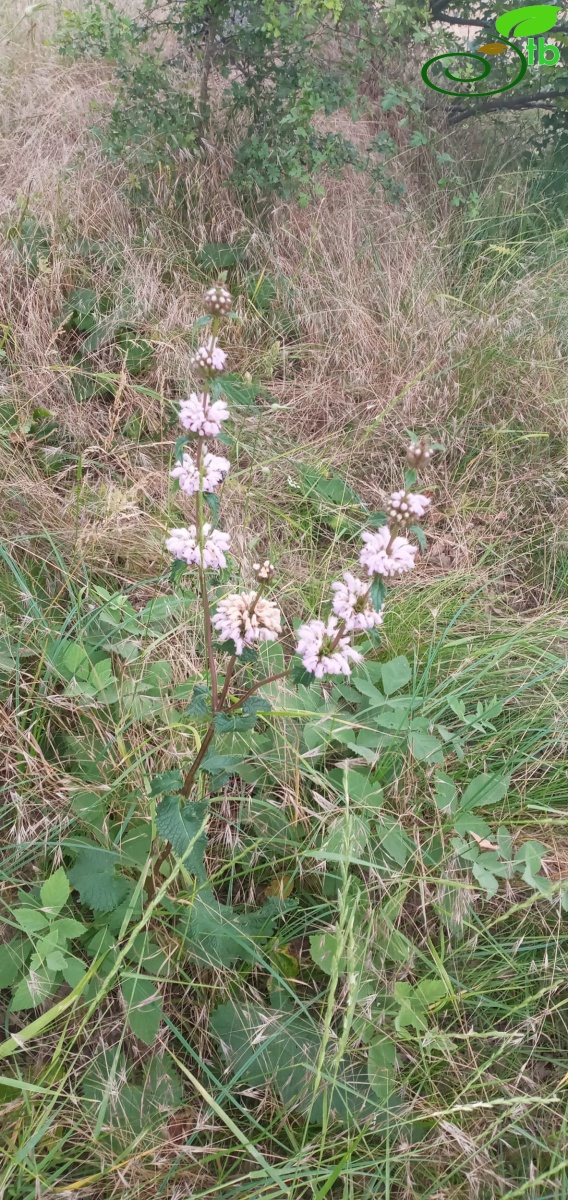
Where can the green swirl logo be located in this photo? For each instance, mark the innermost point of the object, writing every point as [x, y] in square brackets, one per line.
[520, 22]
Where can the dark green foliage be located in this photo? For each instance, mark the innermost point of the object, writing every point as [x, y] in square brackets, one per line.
[215, 935]
[180, 827]
[95, 877]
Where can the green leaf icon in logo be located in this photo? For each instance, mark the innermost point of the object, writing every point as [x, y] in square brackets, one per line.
[528, 21]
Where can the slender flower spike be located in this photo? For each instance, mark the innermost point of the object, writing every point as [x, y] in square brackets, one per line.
[238, 619]
[218, 301]
[183, 543]
[384, 555]
[318, 653]
[201, 415]
[215, 469]
[352, 603]
[209, 358]
[404, 505]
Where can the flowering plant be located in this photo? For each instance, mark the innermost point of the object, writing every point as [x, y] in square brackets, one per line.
[245, 619]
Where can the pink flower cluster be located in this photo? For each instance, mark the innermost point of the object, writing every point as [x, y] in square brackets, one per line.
[203, 416]
[184, 544]
[215, 469]
[247, 618]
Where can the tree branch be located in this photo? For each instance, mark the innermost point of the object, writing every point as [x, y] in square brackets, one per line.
[535, 100]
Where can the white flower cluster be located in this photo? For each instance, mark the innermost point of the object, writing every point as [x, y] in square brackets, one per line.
[201, 415]
[385, 555]
[215, 469]
[323, 652]
[404, 505]
[209, 358]
[352, 602]
[244, 622]
[184, 544]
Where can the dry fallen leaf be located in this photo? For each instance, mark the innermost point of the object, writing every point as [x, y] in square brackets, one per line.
[483, 843]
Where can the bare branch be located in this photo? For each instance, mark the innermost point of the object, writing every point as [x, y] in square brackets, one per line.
[528, 100]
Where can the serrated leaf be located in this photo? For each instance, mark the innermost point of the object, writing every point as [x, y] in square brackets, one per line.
[178, 568]
[30, 919]
[143, 1007]
[215, 935]
[200, 703]
[237, 724]
[94, 876]
[396, 674]
[298, 674]
[180, 827]
[485, 790]
[55, 892]
[214, 764]
[257, 704]
[164, 1084]
[168, 781]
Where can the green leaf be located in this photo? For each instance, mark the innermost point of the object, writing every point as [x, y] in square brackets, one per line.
[143, 1007]
[214, 935]
[180, 827]
[426, 748]
[236, 390]
[94, 876]
[446, 793]
[164, 1084]
[324, 949]
[396, 674]
[485, 790]
[528, 21]
[12, 961]
[378, 593]
[30, 919]
[486, 879]
[394, 841]
[411, 1009]
[257, 704]
[73, 971]
[218, 256]
[281, 1049]
[200, 703]
[419, 535]
[55, 892]
[348, 838]
[377, 520]
[168, 781]
[381, 1063]
[212, 501]
[214, 764]
[237, 724]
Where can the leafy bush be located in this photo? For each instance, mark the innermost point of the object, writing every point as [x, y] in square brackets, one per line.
[283, 65]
